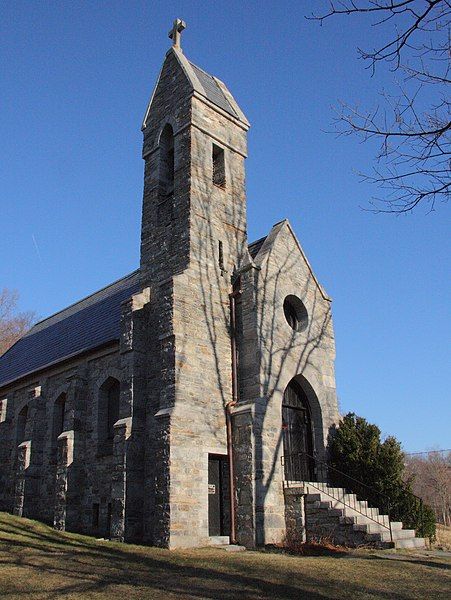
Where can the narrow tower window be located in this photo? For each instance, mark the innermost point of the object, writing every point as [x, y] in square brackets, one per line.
[221, 257]
[218, 166]
[166, 174]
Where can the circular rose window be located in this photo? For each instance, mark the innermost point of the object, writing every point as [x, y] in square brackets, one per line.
[295, 313]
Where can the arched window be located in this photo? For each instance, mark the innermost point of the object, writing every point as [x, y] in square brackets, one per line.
[166, 168]
[295, 397]
[108, 414]
[59, 413]
[113, 407]
[22, 418]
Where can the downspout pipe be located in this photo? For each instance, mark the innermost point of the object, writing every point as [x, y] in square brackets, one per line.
[229, 406]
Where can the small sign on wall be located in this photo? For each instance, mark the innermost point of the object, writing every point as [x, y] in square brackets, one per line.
[211, 488]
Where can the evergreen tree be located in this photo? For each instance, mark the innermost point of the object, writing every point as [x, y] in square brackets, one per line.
[373, 469]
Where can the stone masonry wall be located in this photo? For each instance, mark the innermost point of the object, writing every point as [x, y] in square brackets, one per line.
[47, 481]
[189, 274]
[271, 355]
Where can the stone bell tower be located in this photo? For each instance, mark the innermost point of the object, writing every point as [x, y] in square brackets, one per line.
[193, 237]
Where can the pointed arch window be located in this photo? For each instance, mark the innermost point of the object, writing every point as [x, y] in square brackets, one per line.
[113, 408]
[108, 414]
[22, 419]
[59, 414]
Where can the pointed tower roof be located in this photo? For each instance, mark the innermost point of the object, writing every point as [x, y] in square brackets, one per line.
[202, 83]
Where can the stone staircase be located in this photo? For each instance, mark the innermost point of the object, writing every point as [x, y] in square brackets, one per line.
[333, 513]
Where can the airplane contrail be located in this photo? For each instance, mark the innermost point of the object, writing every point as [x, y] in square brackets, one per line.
[37, 249]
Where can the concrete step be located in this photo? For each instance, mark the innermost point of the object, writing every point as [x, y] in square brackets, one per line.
[403, 534]
[371, 527]
[353, 516]
[381, 536]
[352, 500]
[316, 497]
[360, 519]
[372, 513]
[366, 516]
[219, 540]
[346, 501]
[415, 542]
[397, 534]
[358, 515]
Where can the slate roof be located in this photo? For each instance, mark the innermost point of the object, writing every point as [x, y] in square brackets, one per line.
[212, 90]
[254, 247]
[85, 325]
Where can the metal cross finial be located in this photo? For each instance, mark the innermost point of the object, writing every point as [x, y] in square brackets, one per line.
[175, 32]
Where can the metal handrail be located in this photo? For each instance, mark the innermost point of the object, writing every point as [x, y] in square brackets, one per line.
[376, 493]
[373, 494]
[359, 508]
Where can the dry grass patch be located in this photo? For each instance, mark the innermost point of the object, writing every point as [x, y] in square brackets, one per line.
[39, 563]
[443, 537]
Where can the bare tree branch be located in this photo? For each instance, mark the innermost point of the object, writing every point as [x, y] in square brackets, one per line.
[413, 126]
[13, 325]
[430, 474]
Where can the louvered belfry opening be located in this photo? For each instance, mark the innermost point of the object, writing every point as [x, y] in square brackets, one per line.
[218, 159]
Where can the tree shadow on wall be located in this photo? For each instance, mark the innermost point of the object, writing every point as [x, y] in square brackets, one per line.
[280, 355]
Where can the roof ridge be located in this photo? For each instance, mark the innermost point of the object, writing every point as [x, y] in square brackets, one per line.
[259, 240]
[200, 69]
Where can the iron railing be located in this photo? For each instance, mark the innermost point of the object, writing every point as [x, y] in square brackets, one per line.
[306, 468]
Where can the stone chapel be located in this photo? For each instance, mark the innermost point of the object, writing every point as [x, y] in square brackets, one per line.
[172, 406]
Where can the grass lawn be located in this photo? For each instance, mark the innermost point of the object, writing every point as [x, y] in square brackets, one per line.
[37, 562]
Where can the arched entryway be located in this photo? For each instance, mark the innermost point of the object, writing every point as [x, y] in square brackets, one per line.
[297, 434]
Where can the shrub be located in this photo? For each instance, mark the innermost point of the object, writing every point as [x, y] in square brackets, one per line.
[359, 455]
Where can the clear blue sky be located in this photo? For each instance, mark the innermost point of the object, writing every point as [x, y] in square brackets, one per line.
[75, 80]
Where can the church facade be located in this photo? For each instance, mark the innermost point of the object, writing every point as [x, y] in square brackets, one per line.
[170, 407]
